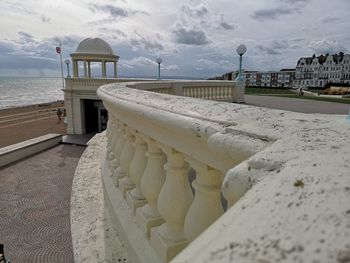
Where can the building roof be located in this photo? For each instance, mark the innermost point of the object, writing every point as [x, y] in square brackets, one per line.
[337, 58]
[94, 46]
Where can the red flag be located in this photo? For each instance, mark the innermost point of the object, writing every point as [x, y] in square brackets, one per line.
[58, 50]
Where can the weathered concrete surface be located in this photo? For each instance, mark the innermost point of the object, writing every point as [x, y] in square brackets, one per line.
[297, 105]
[94, 239]
[35, 205]
[297, 205]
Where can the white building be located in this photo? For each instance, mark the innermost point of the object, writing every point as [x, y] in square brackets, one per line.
[318, 71]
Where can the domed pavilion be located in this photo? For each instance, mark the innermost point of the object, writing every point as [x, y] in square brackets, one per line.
[85, 111]
[93, 50]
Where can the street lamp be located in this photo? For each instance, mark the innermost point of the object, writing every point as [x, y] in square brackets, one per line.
[241, 49]
[159, 60]
[67, 61]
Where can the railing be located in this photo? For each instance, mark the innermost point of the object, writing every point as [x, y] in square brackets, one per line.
[212, 90]
[89, 83]
[156, 146]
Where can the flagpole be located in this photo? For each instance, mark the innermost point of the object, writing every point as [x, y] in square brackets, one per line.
[61, 65]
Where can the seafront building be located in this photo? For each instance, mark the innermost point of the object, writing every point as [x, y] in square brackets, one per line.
[312, 71]
[283, 78]
[318, 71]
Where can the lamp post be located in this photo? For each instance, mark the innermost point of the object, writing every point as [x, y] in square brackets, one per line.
[241, 49]
[159, 60]
[67, 61]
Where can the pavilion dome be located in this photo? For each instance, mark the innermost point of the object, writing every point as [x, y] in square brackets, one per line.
[94, 46]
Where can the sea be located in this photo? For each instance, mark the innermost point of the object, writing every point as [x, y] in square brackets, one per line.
[23, 91]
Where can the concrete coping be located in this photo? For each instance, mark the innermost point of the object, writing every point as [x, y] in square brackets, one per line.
[23, 149]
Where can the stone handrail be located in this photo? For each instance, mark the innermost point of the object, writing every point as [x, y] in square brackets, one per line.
[285, 176]
[153, 144]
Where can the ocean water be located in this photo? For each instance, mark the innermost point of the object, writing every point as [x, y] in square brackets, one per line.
[18, 91]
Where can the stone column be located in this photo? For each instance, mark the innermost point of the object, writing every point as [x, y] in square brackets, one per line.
[104, 75]
[89, 69]
[115, 70]
[85, 69]
[174, 201]
[134, 198]
[206, 206]
[75, 69]
[152, 181]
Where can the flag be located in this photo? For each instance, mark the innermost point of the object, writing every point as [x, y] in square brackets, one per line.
[58, 50]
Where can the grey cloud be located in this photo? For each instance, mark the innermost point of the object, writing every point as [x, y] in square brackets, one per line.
[26, 38]
[296, 1]
[114, 11]
[45, 19]
[289, 7]
[275, 47]
[112, 30]
[226, 25]
[331, 19]
[195, 11]
[6, 47]
[273, 13]
[324, 46]
[101, 22]
[190, 37]
[16, 62]
[146, 44]
[268, 50]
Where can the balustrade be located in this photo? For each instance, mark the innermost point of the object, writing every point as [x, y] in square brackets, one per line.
[151, 170]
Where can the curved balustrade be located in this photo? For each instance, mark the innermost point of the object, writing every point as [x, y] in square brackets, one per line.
[151, 147]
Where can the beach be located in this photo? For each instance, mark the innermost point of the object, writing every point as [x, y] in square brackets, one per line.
[26, 122]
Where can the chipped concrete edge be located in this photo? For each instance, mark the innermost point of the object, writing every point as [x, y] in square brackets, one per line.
[92, 233]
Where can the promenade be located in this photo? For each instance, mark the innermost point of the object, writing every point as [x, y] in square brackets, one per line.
[35, 206]
[297, 105]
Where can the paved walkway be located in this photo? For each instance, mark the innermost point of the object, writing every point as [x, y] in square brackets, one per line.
[35, 206]
[298, 105]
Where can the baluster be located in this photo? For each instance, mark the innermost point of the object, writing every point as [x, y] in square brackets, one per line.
[151, 182]
[118, 152]
[114, 139]
[109, 138]
[174, 201]
[134, 198]
[125, 182]
[206, 206]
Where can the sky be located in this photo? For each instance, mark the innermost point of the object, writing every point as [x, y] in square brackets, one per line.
[194, 38]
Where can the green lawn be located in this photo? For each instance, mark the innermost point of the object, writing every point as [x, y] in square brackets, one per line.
[286, 93]
[266, 91]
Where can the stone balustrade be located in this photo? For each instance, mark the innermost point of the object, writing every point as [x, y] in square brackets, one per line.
[193, 180]
[211, 90]
[154, 154]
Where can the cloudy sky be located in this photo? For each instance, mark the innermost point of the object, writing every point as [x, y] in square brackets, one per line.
[194, 38]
